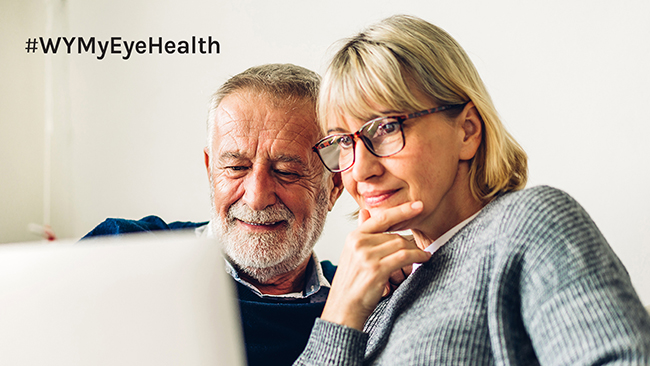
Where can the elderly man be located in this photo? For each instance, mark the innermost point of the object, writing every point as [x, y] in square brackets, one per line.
[270, 196]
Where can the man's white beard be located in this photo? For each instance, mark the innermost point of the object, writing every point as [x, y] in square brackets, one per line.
[266, 255]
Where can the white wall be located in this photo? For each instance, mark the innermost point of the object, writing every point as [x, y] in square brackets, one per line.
[21, 121]
[568, 77]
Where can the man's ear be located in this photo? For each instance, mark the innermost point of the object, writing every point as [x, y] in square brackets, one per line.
[337, 189]
[472, 131]
[206, 157]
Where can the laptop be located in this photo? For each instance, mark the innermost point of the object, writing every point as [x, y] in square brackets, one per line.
[137, 299]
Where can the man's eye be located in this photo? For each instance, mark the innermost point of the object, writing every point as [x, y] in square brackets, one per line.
[287, 176]
[236, 168]
[286, 173]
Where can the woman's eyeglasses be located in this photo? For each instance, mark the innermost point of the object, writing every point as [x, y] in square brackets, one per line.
[383, 136]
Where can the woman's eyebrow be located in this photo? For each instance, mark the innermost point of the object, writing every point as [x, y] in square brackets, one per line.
[336, 129]
[390, 112]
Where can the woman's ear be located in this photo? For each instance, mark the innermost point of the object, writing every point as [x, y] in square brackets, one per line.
[472, 129]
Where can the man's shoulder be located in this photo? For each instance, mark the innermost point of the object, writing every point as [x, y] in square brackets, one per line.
[117, 226]
[328, 270]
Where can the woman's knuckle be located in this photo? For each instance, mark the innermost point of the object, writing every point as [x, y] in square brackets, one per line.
[402, 255]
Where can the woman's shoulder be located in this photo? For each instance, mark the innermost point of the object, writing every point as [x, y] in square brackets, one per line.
[525, 219]
[546, 225]
[540, 203]
[539, 195]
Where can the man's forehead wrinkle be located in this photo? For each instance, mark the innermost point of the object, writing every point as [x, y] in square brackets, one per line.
[290, 147]
[224, 108]
[297, 130]
[226, 114]
[228, 126]
[234, 144]
[270, 127]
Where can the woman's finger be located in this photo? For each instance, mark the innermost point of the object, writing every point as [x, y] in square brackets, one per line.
[385, 258]
[363, 215]
[389, 218]
[403, 258]
[377, 246]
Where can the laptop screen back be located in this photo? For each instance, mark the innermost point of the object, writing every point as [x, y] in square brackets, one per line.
[131, 300]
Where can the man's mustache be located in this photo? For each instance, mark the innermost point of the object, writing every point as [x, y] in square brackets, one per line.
[269, 215]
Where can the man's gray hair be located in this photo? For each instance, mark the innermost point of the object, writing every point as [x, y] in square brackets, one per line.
[283, 83]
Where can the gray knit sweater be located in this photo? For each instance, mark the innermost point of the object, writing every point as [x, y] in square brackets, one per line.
[529, 281]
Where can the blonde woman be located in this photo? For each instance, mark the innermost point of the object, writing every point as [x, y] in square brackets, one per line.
[517, 276]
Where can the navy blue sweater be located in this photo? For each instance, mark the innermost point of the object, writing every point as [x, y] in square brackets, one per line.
[275, 331]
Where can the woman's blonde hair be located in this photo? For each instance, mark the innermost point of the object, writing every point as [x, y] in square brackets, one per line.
[383, 64]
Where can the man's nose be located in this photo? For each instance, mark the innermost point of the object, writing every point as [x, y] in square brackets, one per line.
[259, 189]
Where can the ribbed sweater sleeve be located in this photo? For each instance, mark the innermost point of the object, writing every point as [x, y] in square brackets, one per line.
[333, 344]
[575, 297]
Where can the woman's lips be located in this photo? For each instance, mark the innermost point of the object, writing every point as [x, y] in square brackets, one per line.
[376, 198]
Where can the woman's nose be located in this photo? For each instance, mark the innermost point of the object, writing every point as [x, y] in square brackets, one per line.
[366, 165]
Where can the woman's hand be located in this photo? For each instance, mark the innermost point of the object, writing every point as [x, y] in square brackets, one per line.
[369, 257]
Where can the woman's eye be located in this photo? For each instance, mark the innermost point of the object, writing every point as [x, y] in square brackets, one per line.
[346, 142]
[388, 128]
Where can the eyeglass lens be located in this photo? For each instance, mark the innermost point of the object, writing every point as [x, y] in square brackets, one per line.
[382, 137]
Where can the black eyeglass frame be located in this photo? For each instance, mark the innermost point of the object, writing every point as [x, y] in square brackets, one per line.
[357, 135]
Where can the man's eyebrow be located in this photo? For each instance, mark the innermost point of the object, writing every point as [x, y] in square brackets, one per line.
[236, 155]
[291, 159]
[231, 155]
